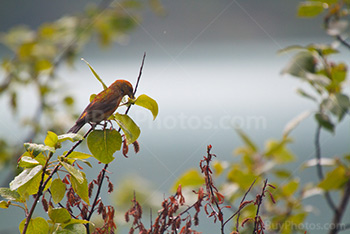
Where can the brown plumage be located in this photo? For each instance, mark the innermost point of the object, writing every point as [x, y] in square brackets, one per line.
[104, 104]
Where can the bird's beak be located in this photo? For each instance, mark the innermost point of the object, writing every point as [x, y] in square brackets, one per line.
[132, 96]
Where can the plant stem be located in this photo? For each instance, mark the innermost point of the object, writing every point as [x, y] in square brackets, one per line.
[319, 168]
[341, 209]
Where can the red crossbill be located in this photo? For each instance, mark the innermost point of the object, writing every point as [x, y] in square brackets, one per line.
[104, 104]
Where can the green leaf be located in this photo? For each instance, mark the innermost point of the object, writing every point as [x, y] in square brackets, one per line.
[247, 140]
[325, 122]
[306, 95]
[95, 74]
[27, 162]
[78, 155]
[81, 188]
[148, 103]
[70, 136]
[322, 49]
[32, 186]
[74, 228]
[59, 215]
[36, 226]
[51, 139]
[334, 179]
[339, 105]
[240, 177]
[284, 174]
[76, 173]
[103, 144]
[310, 9]
[36, 149]
[190, 178]
[25, 176]
[5, 204]
[338, 76]
[291, 48]
[301, 64]
[279, 152]
[58, 190]
[8, 194]
[130, 129]
[290, 188]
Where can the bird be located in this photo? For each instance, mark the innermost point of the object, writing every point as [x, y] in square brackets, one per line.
[104, 104]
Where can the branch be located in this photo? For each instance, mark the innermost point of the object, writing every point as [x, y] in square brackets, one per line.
[319, 167]
[257, 219]
[343, 41]
[341, 209]
[240, 207]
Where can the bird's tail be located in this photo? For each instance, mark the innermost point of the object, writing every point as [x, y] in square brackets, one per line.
[76, 127]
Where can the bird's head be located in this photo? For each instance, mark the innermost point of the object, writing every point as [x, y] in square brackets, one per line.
[126, 88]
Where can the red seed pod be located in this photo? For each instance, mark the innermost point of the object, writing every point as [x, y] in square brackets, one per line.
[45, 204]
[136, 146]
[125, 149]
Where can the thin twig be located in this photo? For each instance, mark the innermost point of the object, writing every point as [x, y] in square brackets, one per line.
[319, 167]
[341, 209]
[342, 41]
[240, 207]
[259, 201]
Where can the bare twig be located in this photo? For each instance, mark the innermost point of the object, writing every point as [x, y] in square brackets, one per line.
[319, 167]
[341, 210]
[257, 219]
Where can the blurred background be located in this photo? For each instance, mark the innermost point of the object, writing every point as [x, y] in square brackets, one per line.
[211, 66]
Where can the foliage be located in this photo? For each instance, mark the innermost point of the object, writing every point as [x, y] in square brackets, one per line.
[38, 54]
[41, 163]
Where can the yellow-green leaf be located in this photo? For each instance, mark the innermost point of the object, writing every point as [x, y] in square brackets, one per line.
[148, 103]
[81, 188]
[27, 162]
[79, 155]
[290, 188]
[36, 149]
[95, 74]
[25, 176]
[58, 190]
[334, 179]
[129, 127]
[247, 141]
[8, 194]
[76, 173]
[192, 178]
[5, 204]
[51, 139]
[310, 9]
[70, 136]
[59, 215]
[103, 144]
[242, 178]
[36, 226]
[279, 151]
